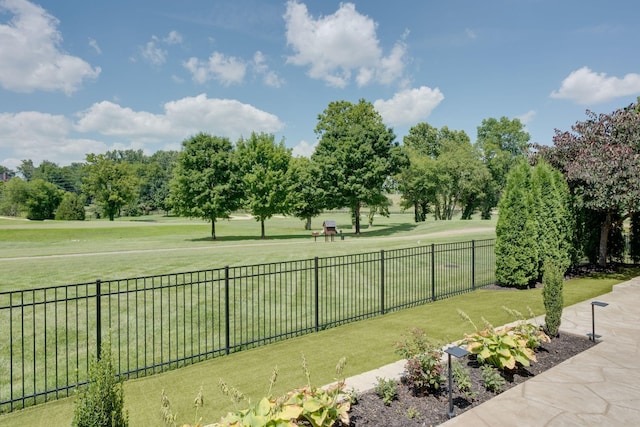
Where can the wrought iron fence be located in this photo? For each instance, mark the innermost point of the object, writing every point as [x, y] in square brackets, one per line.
[156, 323]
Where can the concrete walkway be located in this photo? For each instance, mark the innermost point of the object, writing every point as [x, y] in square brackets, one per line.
[598, 387]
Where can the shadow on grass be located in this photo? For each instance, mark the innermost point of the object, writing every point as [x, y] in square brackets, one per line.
[348, 232]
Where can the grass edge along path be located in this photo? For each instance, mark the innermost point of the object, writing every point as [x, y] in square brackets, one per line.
[366, 344]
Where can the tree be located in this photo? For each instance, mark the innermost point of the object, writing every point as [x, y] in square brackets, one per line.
[516, 230]
[305, 198]
[444, 171]
[14, 196]
[42, 200]
[552, 281]
[206, 183]
[71, 208]
[111, 184]
[600, 159]
[501, 142]
[264, 164]
[553, 213]
[356, 153]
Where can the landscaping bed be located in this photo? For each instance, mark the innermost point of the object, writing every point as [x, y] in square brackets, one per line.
[409, 410]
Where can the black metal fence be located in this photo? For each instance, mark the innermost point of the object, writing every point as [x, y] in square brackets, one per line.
[155, 323]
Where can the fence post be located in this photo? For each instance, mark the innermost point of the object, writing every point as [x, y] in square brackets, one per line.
[227, 327]
[473, 265]
[316, 294]
[381, 281]
[98, 318]
[433, 272]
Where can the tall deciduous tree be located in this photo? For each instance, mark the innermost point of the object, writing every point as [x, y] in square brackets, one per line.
[356, 154]
[43, 199]
[516, 230]
[305, 198]
[111, 184]
[264, 165]
[601, 161]
[206, 183]
[502, 142]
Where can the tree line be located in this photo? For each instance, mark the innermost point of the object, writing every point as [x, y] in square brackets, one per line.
[356, 162]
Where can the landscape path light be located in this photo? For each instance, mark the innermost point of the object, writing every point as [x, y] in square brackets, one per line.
[593, 335]
[458, 352]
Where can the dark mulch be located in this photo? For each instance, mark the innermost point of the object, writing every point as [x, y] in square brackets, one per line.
[409, 410]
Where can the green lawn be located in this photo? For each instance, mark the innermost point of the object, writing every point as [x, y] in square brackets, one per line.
[41, 254]
[366, 345]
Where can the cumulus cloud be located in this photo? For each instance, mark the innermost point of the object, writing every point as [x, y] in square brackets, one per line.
[31, 57]
[585, 86]
[227, 70]
[181, 118]
[304, 149]
[94, 44]
[43, 136]
[527, 117]
[337, 46]
[409, 106]
[269, 77]
[154, 52]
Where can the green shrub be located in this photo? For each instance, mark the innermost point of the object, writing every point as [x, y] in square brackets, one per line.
[387, 390]
[71, 208]
[491, 378]
[552, 281]
[424, 371]
[462, 378]
[101, 402]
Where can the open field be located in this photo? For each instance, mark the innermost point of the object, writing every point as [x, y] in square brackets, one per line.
[42, 254]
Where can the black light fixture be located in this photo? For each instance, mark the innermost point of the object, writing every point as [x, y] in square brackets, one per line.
[458, 352]
[592, 335]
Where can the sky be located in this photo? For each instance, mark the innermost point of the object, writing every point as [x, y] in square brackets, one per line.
[79, 77]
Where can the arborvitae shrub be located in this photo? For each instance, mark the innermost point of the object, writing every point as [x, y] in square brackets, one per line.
[552, 282]
[101, 402]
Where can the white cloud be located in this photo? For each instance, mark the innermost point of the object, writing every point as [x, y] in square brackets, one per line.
[181, 118]
[270, 78]
[304, 149]
[336, 46]
[154, 54]
[173, 37]
[588, 87]
[40, 136]
[94, 44]
[31, 57]
[527, 117]
[409, 106]
[226, 70]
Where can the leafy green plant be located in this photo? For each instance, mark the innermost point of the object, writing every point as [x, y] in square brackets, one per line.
[412, 413]
[424, 371]
[462, 378]
[101, 402]
[308, 405]
[491, 378]
[533, 333]
[387, 390]
[499, 347]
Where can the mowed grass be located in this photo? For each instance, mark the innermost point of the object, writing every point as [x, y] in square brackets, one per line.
[37, 254]
[366, 345]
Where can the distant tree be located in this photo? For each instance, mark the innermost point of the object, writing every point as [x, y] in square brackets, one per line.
[264, 164]
[501, 142]
[43, 199]
[206, 183]
[357, 154]
[306, 199]
[14, 196]
[600, 159]
[112, 184]
[71, 208]
[27, 169]
[516, 230]
[159, 173]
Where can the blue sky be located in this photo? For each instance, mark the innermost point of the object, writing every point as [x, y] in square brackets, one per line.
[80, 77]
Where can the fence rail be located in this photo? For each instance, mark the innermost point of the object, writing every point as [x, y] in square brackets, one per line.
[162, 322]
